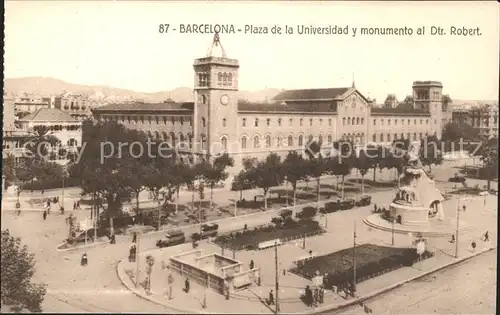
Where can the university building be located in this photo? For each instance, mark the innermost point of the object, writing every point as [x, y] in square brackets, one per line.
[217, 121]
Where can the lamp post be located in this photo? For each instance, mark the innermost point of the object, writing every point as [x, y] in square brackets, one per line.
[457, 227]
[137, 260]
[61, 206]
[393, 231]
[354, 261]
[286, 191]
[277, 310]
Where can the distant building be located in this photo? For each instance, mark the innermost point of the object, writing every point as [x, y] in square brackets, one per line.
[13, 139]
[29, 104]
[483, 118]
[59, 124]
[76, 105]
[217, 122]
[391, 101]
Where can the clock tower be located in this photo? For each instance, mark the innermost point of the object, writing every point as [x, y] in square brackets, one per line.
[215, 102]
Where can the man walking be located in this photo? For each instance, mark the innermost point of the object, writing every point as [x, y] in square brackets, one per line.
[271, 298]
[44, 215]
[486, 237]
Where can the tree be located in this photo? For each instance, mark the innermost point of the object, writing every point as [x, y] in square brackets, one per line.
[18, 267]
[9, 167]
[398, 159]
[316, 165]
[429, 151]
[363, 164]
[401, 144]
[454, 135]
[215, 172]
[294, 168]
[108, 163]
[489, 156]
[344, 161]
[266, 174]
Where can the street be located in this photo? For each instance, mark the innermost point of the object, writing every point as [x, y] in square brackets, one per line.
[467, 288]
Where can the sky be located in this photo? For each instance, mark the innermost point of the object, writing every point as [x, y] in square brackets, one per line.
[119, 44]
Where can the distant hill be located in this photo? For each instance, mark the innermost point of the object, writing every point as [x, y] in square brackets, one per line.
[44, 86]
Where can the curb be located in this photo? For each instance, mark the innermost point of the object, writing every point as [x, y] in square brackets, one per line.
[424, 233]
[146, 298]
[393, 286]
[78, 247]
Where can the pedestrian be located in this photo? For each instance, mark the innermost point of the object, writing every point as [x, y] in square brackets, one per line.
[44, 215]
[74, 205]
[473, 245]
[43, 190]
[321, 295]
[84, 260]
[245, 227]
[375, 208]
[48, 209]
[486, 237]
[452, 239]
[186, 285]
[112, 239]
[308, 296]
[271, 298]
[134, 237]
[251, 264]
[48, 203]
[463, 207]
[78, 205]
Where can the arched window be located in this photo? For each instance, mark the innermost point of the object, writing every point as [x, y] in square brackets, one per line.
[268, 141]
[362, 120]
[320, 121]
[402, 135]
[165, 135]
[310, 122]
[157, 135]
[230, 79]
[348, 120]
[268, 122]
[279, 122]
[173, 139]
[420, 136]
[388, 122]
[414, 136]
[72, 142]
[320, 139]
[301, 140]
[301, 122]
[204, 98]
[408, 136]
[181, 140]
[224, 122]
[219, 78]
[329, 139]
[203, 122]
[357, 121]
[256, 142]
[343, 121]
[290, 141]
[243, 142]
[203, 142]
[190, 139]
[374, 138]
[310, 138]
[244, 122]
[224, 143]
[279, 142]
[200, 79]
[224, 79]
[256, 123]
[388, 137]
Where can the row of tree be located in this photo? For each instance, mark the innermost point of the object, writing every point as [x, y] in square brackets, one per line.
[128, 164]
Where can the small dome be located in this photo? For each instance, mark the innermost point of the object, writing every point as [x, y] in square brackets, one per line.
[169, 100]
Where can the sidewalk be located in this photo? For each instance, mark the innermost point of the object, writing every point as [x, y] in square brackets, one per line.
[192, 302]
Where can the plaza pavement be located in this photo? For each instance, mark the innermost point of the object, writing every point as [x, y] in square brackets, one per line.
[340, 230]
[96, 287]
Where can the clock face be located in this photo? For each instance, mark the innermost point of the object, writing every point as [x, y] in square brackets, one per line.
[224, 99]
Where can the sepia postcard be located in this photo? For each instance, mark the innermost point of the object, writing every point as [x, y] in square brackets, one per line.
[227, 157]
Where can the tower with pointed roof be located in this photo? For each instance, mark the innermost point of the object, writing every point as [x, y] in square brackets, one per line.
[215, 102]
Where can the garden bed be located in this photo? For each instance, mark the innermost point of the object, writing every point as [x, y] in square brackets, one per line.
[467, 191]
[250, 239]
[371, 261]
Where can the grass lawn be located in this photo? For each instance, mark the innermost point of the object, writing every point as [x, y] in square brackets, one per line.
[341, 261]
[251, 238]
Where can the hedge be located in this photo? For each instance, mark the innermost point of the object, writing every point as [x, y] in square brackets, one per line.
[51, 184]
